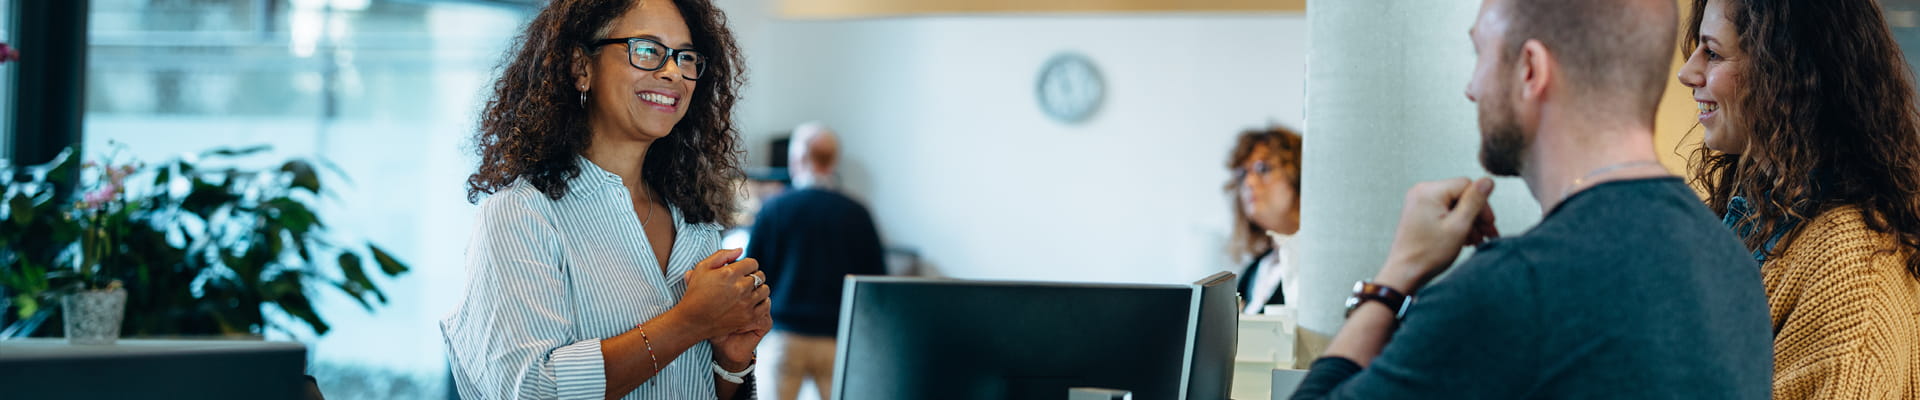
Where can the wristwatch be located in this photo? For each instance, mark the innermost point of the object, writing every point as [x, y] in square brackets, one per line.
[1365, 291]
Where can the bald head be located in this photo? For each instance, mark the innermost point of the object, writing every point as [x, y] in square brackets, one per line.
[1610, 51]
[813, 153]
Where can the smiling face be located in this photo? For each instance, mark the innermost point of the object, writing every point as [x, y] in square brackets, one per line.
[1713, 70]
[625, 102]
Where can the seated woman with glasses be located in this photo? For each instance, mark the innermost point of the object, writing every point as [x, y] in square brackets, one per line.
[1266, 214]
[606, 162]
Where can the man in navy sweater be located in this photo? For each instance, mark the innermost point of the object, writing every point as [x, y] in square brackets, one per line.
[807, 241]
[1628, 288]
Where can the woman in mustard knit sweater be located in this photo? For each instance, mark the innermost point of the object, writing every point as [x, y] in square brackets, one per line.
[1812, 152]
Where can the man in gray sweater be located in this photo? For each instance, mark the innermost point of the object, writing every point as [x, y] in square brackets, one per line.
[1628, 287]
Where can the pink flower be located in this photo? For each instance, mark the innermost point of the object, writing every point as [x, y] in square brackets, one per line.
[118, 175]
[94, 200]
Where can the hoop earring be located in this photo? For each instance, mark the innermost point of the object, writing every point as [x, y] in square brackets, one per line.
[583, 99]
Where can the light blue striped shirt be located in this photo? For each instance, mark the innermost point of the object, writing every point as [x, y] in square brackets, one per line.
[548, 279]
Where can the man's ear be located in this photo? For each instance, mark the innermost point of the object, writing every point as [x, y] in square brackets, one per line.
[582, 71]
[1534, 70]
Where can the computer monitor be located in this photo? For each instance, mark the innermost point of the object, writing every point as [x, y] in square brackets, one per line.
[926, 338]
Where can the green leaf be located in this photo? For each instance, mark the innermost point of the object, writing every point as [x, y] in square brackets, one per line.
[388, 264]
[299, 306]
[230, 152]
[34, 278]
[255, 261]
[162, 177]
[232, 261]
[282, 285]
[300, 245]
[292, 214]
[350, 267]
[205, 198]
[21, 209]
[354, 291]
[64, 164]
[303, 175]
[27, 303]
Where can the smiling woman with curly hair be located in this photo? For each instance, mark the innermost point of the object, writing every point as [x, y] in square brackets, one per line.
[607, 156]
[1812, 152]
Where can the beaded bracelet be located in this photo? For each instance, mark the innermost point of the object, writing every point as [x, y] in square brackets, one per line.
[650, 356]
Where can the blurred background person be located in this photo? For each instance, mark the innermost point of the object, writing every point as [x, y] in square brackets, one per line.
[1812, 155]
[1266, 214]
[807, 240]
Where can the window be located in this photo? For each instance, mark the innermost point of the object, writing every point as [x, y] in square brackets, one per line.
[388, 91]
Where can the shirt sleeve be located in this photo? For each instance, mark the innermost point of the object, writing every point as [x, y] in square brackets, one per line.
[1323, 376]
[1467, 336]
[511, 335]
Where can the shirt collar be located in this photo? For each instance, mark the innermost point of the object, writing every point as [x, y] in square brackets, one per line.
[593, 174]
[598, 178]
[1737, 212]
[1279, 239]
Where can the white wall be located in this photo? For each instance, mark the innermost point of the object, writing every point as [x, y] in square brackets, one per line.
[945, 139]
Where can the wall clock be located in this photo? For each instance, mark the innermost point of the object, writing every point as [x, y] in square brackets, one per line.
[1069, 89]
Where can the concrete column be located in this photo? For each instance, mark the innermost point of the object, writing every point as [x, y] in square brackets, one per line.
[1385, 109]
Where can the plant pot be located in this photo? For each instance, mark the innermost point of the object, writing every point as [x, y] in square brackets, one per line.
[93, 316]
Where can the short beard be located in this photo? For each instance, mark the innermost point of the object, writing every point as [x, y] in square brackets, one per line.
[1503, 144]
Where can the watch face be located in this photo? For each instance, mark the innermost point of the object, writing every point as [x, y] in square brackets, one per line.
[1070, 88]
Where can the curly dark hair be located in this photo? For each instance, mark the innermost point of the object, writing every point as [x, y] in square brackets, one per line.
[1829, 117]
[533, 127]
[1249, 239]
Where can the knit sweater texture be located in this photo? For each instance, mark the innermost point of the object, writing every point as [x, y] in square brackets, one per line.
[1846, 313]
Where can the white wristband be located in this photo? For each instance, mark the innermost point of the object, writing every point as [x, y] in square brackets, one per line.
[732, 377]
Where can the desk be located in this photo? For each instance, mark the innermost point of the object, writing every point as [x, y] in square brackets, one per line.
[49, 368]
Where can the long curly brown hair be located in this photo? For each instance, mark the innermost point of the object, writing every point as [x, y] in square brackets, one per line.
[533, 127]
[1249, 239]
[1830, 119]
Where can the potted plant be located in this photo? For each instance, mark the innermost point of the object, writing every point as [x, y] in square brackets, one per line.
[200, 244]
[250, 237]
[37, 232]
[94, 302]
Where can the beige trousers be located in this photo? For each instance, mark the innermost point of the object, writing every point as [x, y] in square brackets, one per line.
[798, 358]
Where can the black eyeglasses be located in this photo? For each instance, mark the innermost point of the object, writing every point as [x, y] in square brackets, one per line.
[651, 55]
[1259, 167]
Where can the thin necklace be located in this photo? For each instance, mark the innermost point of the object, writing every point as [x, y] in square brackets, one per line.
[1582, 180]
[649, 218]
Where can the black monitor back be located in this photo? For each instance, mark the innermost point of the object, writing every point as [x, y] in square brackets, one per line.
[920, 338]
